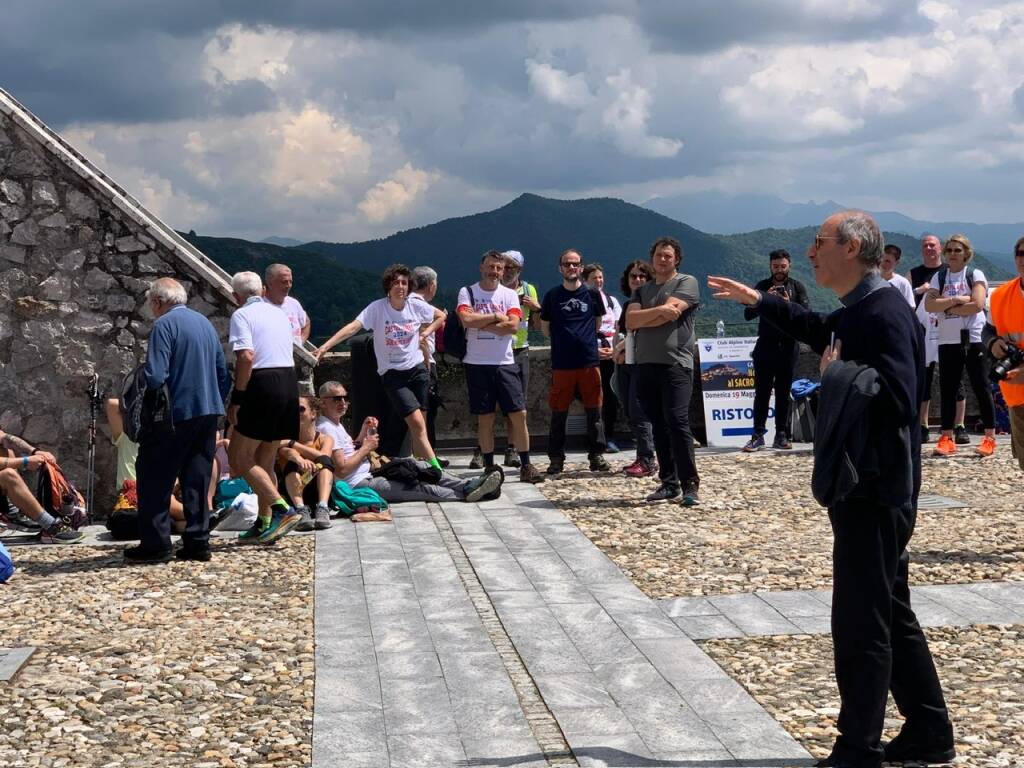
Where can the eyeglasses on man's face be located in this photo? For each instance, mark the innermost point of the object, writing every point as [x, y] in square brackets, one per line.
[337, 398]
[571, 264]
[819, 239]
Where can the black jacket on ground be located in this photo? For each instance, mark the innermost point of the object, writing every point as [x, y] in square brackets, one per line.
[878, 330]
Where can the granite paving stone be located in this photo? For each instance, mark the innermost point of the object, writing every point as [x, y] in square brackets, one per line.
[707, 627]
[753, 615]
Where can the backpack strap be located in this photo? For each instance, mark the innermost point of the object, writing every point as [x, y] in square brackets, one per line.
[968, 276]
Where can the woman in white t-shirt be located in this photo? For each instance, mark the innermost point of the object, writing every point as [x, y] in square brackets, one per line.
[400, 328]
[593, 276]
[957, 295]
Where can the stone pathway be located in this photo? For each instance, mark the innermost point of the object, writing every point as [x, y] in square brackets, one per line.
[807, 612]
[413, 671]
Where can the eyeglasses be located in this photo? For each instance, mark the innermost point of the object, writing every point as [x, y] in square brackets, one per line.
[819, 238]
[637, 276]
[336, 398]
[954, 250]
[1020, 252]
[571, 264]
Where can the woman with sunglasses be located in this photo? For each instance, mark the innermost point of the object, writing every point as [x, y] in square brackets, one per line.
[637, 273]
[400, 328]
[957, 294]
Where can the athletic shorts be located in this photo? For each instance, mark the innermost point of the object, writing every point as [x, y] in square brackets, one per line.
[271, 408]
[491, 385]
[407, 390]
[565, 384]
[522, 362]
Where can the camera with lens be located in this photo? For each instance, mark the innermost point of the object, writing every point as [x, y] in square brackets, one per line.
[1014, 357]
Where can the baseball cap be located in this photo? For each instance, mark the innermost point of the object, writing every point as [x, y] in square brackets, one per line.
[515, 256]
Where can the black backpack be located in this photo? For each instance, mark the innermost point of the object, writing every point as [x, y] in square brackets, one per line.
[144, 411]
[455, 332]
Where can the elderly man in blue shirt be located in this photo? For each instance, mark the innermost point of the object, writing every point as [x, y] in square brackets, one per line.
[186, 355]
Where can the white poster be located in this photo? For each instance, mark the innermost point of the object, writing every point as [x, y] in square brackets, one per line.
[727, 380]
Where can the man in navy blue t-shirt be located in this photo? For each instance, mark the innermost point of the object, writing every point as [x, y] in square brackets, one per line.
[570, 315]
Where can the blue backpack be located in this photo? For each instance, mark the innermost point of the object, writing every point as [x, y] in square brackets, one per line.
[6, 564]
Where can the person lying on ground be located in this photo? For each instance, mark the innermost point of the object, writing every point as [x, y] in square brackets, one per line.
[351, 460]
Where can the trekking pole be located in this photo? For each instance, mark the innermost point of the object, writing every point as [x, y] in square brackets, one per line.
[94, 410]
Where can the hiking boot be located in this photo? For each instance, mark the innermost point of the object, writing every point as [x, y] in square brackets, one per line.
[555, 465]
[145, 556]
[305, 520]
[280, 524]
[598, 463]
[781, 443]
[322, 517]
[482, 486]
[945, 447]
[512, 458]
[960, 436]
[755, 443]
[690, 496]
[642, 468]
[200, 553]
[987, 446]
[530, 474]
[906, 748]
[252, 535]
[16, 520]
[926, 434]
[665, 492]
[60, 533]
[611, 447]
[477, 462]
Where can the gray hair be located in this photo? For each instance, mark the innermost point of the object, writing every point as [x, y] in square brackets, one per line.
[168, 290]
[423, 277]
[327, 387]
[271, 272]
[857, 225]
[246, 284]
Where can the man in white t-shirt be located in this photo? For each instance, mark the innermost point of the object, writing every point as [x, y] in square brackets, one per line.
[278, 278]
[264, 403]
[890, 258]
[423, 288]
[352, 464]
[491, 313]
[958, 294]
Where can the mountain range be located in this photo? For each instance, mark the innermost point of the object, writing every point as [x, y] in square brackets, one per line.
[335, 280]
[733, 214]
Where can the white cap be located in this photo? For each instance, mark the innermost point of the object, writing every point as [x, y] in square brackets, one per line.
[515, 256]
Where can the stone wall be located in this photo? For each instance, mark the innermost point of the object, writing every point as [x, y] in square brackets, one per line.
[74, 268]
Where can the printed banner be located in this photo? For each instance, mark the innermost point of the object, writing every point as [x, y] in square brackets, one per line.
[727, 379]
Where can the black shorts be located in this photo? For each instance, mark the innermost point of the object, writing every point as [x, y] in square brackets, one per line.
[407, 390]
[271, 408]
[309, 491]
[490, 384]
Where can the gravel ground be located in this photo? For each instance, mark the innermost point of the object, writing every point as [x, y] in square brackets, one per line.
[206, 665]
[981, 668]
[758, 527]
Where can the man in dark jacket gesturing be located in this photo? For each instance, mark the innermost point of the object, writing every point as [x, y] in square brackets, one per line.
[878, 643]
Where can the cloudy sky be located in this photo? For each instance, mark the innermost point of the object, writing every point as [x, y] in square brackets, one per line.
[343, 120]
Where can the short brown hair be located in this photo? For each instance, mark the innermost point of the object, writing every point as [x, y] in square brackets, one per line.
[493, 254]
[1017, 245]
[395, 270]
[590, 269]
[674, 244]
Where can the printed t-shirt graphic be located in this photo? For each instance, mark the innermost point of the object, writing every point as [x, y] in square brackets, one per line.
[483, 347]
[396, 333]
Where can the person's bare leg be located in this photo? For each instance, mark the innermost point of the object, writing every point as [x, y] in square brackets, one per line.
[961, 412]
[418, 434]
[520, 431]
[14, 488]
[485, 432]
[113, 409]
[324, 485]
[293, 485]
[925, 406]
[265, 456]
[242, 455]
[214, 475]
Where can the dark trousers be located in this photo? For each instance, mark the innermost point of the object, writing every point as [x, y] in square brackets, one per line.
[596, 442]
[664, 392]
[878, 644]
[774, 364]
[433, 404]
[186, 455]
[953, 358]
[610, 402]
[639, 424]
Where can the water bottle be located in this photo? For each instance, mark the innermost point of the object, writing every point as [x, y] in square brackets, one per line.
[720, 329]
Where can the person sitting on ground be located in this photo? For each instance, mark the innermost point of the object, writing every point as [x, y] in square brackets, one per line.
[352, 460]
[304, 468]
[17, 456]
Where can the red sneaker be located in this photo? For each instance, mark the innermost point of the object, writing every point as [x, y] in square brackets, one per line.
[987, 446]
[945, 446]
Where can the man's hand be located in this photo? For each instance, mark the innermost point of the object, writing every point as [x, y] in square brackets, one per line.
[370, 442]
[233, 415]
[36, 460]
[370, 422]
[733, 290]
[604, 353]
[998, 348]
[1015, 373]
[922, 288]
[304, 464]
[830, 355]
[529, 302]
[318, 354]
[46, 456]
